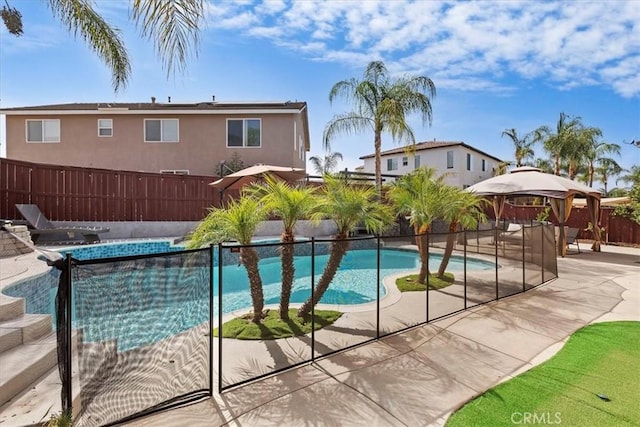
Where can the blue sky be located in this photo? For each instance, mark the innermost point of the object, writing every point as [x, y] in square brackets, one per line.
[496, 65]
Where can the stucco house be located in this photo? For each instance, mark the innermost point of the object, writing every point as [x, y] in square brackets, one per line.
[189, 138]
[463, 164]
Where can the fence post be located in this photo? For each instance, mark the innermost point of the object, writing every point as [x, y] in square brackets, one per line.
[428, 271]
[465, 267]
[313, 279]
[378, 288]
[495, 239]
[67, 401]
[210, 332]
[219, 318]
[524, 264]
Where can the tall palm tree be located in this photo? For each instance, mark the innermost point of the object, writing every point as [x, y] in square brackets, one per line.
[543, 164]
[501, 168]
[632, 177]
[172, 25]
[238, 221]
[556, 142]
[596, 153]
[348, 206]
[462, 209]
[523, 145]
[420, 196]
[290, 204]
[381, 105]
[326, 163]
[605, 169]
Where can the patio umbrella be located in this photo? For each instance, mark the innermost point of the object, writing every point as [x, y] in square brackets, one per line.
[237, 180]
[528, 181]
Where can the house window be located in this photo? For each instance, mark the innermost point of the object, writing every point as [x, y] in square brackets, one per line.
[105, 127]
[244, 133]
[405, 161]
[416, 162]
[43, 130]
[469, 161]
[392, 164]
[484, 165]
[175, 172]
[449, 159]
[161, 130]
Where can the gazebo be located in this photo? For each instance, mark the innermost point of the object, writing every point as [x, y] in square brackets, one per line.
[529, 181]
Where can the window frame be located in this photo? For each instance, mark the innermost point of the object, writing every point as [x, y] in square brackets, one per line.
[174, 171]
[469, 162]
[244, 121]
[161, 141]
[42, 122]
[101, 128]
[450, 165]
[392, 164]
[405, 161]
[484, 165]
[416, 162]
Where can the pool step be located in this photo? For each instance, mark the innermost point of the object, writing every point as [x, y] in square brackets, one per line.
[23, 329]
[10, 307]
[24, 364]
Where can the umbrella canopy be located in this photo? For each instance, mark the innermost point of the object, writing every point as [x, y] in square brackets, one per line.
[528, 181]
[248, 175]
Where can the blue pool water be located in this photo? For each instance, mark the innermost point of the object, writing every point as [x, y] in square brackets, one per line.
[140, 306]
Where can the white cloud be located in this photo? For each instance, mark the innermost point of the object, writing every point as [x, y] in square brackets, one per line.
[470, 45]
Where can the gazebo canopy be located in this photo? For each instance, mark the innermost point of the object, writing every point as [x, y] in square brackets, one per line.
[529, 181]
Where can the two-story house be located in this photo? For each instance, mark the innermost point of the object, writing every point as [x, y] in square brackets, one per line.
[463, 164]
[195, 138]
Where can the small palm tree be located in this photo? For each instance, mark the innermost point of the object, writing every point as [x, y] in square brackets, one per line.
[420, 196]
[238, 221]
[290, 204]
[173, 25]
[632, 177]
[326, 164]
[462, 209]
[381, 105]
[523, 145]
[501, 168]
[348, 206]
[596, 155]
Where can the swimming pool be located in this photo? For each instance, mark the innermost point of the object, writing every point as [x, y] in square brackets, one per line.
[138, 306]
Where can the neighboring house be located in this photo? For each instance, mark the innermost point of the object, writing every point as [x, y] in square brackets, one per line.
[195, 138]
[463, 164]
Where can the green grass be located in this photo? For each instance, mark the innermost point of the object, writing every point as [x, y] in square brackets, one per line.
[603, 358]
[409, 283]
[272, 327]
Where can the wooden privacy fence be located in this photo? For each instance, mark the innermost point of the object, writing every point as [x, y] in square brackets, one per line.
[618, 229]
[68, 193]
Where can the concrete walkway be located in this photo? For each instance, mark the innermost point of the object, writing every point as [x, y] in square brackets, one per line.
[419, 377]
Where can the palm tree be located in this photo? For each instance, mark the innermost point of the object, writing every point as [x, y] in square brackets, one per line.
[501, 168]
[348, 206]
[381, 105]
[420, 196]
[325, 164]
[557, 143]
[238, 221]
[596, 154]
[523, 146]
[605, 169]
[462, 209]
[543, 164]
[290, 204]
[173, 25]
[632, 177]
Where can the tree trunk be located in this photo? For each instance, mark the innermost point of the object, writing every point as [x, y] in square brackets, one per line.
[591, 173]
[338, 250]
[249, 258]
[377, 144]
[422, 241]
[448, 250]
[288, 272]
[556, 165]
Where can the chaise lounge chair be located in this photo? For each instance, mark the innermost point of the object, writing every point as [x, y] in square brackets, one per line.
[39, 225]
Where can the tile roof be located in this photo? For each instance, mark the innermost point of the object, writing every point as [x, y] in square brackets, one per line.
[429, 145]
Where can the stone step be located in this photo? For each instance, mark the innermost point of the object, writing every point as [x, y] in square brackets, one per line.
[23, 330]
[24, 364]
[10, 307]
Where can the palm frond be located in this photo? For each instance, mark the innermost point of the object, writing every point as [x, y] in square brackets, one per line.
[345, 123]
[83, 21]
[174, 27]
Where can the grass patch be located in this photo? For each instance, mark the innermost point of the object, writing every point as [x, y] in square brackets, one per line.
[272, 327]
[598, 359]
[410, 283]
